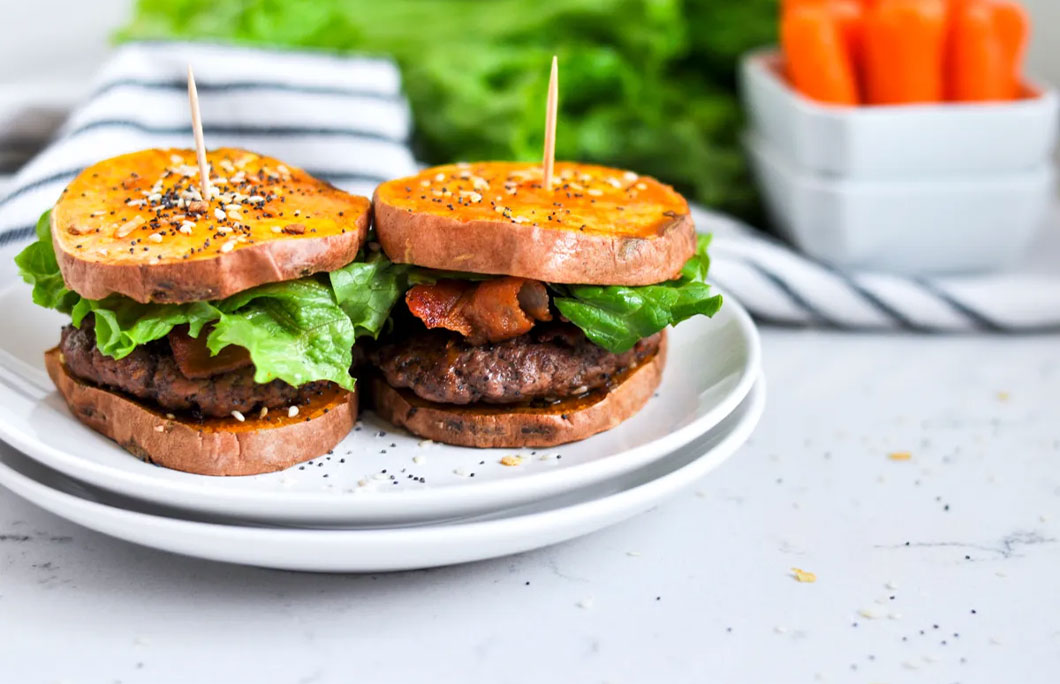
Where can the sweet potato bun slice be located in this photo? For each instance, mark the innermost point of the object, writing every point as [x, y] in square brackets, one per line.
[214, 446]
[136, 225]
[523, 426]
[597, 226]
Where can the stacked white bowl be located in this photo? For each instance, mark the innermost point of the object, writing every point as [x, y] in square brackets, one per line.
[914, 189]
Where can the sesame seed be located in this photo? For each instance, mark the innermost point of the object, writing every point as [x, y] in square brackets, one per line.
[238, 416]
[219, 215]
[160, 428]
[187, 226]
[228, 246]
[264, 412]
[155, 237]
[136, 202]
[292, 412]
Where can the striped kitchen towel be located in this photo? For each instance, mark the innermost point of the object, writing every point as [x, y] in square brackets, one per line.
[345, 120]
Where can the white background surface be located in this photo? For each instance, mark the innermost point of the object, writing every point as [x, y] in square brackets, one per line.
[709, 598]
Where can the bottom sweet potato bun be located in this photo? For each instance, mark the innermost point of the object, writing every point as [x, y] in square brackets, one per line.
[513, 426]
[213, 446]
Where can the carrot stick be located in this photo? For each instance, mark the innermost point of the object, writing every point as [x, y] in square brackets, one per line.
[975, 63]
[904, 48]
[1013, 30]
[816, 58]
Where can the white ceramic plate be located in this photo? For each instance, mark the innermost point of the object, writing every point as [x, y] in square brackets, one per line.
[373, 477]
[377, 550]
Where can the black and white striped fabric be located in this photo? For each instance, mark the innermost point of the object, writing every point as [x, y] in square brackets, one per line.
[344, 119]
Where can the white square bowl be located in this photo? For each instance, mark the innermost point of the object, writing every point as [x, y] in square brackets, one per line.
[906, 141]
[917, 227]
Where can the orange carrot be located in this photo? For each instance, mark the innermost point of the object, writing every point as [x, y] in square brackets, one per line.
[816, 58]
[975, 65]
[903, 51]
[1013, 29]
[848, 15]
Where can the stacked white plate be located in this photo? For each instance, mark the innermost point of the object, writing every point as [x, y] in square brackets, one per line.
[383, 499]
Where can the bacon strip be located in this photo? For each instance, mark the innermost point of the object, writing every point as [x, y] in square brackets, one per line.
[194, 359]
[488, 311]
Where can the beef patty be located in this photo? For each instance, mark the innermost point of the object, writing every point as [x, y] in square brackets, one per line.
[550, 361]
[150, 374]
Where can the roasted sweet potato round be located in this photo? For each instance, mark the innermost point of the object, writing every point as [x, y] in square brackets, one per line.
[596, 226]
[214, 446]
[137, 225]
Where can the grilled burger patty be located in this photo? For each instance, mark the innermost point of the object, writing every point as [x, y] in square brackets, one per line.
[150, 373]
[551, 361]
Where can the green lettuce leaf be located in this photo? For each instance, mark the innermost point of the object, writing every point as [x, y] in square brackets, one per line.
[367, 290]
[297, 331]
[615, 317]
[38, 267]
[123, 324]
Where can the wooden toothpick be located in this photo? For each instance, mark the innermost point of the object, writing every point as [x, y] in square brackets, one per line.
[200, 144]
[550, 124]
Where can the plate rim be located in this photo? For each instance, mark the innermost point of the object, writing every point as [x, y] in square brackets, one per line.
[575, 520]
[313, 506]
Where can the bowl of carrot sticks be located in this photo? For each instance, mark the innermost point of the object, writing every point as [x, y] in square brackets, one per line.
[902, 116]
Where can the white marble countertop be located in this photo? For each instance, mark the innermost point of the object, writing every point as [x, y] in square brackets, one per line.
[940, 568]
